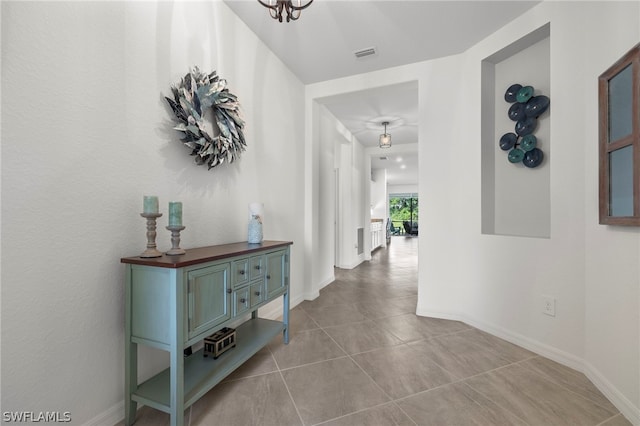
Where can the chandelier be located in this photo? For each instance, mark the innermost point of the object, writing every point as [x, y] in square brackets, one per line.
[276, 7]
[385, 138]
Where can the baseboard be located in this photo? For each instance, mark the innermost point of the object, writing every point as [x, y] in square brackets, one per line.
[322, 284]
[438, 314]
[315, 294]
[109, 417]
[296, 301]
[622, 403]
[311, 296]
[547, 351]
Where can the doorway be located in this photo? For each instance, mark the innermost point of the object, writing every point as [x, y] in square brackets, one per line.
[403, 213]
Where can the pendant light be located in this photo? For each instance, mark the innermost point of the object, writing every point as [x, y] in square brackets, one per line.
[385, 138]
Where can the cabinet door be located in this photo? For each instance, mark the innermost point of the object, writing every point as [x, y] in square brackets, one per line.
[275, 278]
[208, 298]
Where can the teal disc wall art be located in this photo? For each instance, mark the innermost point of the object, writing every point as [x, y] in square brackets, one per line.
[522, 144]
[528, 142]
[508, 141]
[515, 155]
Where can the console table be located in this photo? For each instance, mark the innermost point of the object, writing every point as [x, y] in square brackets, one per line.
[173, 302]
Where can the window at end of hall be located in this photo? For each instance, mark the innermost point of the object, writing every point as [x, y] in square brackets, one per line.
[403, 208]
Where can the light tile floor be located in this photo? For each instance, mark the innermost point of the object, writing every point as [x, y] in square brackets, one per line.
[359, 355]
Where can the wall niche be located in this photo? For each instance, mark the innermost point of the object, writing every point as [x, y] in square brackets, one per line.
[515, 198]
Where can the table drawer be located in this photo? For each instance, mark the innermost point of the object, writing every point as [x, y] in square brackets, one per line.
[239, 272]
[241, 301]
[256, 294]
[256, 267]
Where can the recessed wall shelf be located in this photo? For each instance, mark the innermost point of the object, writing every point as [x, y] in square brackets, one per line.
[516, 200]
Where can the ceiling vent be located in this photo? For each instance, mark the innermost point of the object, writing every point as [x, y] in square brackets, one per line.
[384, 158]
[365, 52]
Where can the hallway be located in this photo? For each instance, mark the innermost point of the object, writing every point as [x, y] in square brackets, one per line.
[359, 355]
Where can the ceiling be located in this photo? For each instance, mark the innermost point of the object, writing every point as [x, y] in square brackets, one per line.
[320, 46]
[363, 113]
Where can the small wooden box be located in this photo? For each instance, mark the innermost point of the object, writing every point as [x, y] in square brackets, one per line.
[220, 342]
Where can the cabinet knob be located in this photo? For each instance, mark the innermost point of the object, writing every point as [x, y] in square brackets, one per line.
[268, 277]
[241, 271]
[229, 291]
[258, 267]
[243, 300]
[257, 293]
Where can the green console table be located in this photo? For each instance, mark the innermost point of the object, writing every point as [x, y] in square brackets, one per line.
[173, 302]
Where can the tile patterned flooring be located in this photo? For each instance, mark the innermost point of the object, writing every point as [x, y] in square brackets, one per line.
[359, 355]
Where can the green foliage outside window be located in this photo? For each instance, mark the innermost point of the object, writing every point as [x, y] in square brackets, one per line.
[403, 208]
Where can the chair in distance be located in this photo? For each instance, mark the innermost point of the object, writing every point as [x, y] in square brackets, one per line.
[392, 229]
[410, 228]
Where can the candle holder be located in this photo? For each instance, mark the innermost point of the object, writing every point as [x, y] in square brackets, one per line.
[175, 240]
[151, 250]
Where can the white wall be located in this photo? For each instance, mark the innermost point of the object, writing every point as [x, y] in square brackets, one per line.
[360, 198]
[379, 199]
[354, 202]
[85, 134]
[331, 137]
[330, 147]
[593, 271]
[612, 262]
[402, 189]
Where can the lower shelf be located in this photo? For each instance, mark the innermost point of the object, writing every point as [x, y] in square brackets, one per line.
[201, 374]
